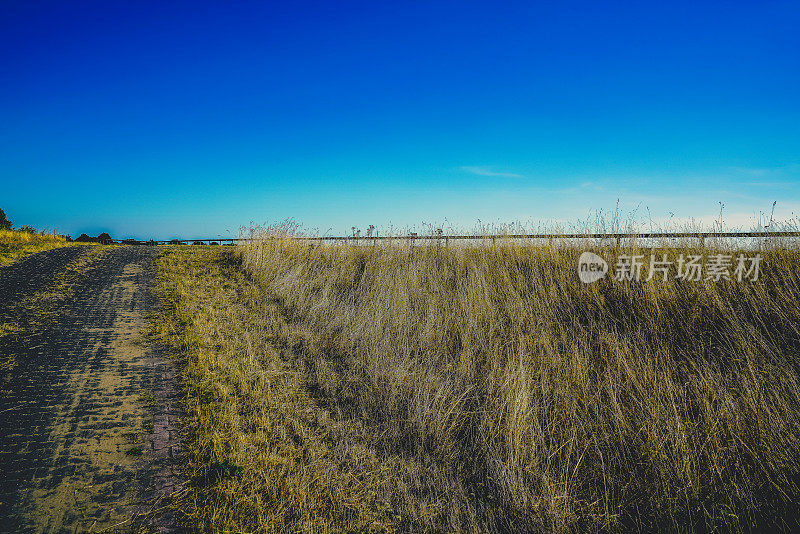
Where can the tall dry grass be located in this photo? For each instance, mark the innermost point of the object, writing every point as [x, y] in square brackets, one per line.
[519, 399]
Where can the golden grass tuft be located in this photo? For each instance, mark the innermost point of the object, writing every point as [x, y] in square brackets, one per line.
[15, 244]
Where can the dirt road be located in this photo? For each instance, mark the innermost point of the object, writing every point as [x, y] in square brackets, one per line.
[88, 410]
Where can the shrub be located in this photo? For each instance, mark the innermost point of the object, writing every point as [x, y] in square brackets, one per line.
[5, 224]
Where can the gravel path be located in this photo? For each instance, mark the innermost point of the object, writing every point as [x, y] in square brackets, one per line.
[88, 408]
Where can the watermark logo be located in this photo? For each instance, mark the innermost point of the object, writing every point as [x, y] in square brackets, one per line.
[591, 267]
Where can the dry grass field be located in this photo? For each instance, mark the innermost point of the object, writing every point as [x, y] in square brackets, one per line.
[392, 388]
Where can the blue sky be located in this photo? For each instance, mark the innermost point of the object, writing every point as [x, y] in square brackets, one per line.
[170, 119]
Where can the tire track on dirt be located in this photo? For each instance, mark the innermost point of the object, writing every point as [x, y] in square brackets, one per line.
[88, 435]
[33, 273]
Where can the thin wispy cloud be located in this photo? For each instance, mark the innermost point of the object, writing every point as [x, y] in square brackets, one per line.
[753, 171]
[486, 171]
[777, 178]
[767, 184]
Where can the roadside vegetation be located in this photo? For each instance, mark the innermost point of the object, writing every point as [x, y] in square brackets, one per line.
[397, 388]
[15, 244]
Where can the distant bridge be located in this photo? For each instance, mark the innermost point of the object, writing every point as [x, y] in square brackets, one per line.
[443, 238]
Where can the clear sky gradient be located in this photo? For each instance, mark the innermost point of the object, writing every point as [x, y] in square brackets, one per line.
[184, 119]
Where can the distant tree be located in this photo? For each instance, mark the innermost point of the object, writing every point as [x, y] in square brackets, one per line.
[104, 238]
[5, 224]
[83, 238]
